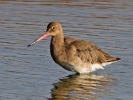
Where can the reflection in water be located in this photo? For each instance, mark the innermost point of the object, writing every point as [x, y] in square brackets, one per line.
[80, 87]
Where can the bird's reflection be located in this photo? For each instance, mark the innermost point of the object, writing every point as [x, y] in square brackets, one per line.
[80, 87]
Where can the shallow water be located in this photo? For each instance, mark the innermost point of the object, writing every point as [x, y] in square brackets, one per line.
[31, 74]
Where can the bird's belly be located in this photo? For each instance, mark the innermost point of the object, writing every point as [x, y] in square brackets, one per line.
[68, 67]
[81, 68]
[76, 68]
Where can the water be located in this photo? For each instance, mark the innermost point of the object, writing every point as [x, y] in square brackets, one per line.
[31, 74]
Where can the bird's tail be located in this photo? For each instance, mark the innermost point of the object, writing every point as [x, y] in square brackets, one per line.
[114, 60]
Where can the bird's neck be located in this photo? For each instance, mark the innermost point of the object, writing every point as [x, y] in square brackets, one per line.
[57, 47]
[57, 41]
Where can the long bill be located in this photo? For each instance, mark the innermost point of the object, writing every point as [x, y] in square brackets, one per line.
[40, 38]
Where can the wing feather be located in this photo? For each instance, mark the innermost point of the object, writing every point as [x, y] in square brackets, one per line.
[86, 51]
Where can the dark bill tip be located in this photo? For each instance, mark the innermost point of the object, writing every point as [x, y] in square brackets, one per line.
[31, 44]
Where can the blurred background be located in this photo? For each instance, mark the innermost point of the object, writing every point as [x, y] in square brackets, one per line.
[31, 74]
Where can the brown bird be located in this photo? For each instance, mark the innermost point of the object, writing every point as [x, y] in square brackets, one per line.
[74, 54]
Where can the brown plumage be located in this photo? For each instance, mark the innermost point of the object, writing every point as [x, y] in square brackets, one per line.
[74, 54]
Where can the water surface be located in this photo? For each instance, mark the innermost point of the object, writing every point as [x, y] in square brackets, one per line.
[31, 74]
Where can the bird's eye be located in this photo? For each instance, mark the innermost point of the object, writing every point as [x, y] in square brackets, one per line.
[53, 28]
